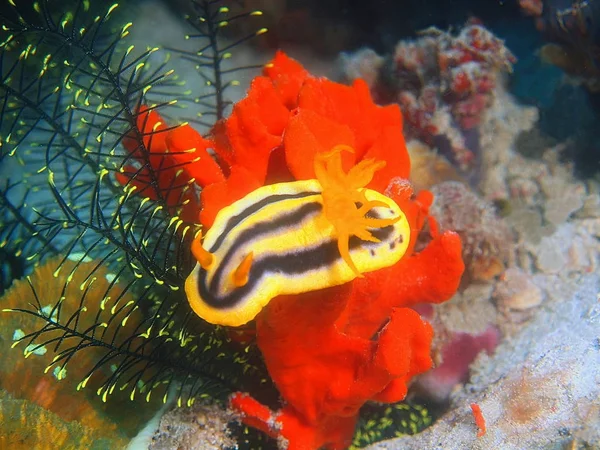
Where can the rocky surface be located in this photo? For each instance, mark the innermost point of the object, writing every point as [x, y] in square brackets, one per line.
[200, 427]
[539, 390]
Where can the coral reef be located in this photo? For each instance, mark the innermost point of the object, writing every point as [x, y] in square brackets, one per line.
[517, 290]
[201, 426]
[455, 356]
[121, 192]
[428, 167]
[487, 240]
[287, 119]
[53, 381]
[544, 201]
[114, 192]
[539, 390]
[505, 122]
[537, 198]
[119, 207]
[553, 218]
[443, 83]
[465, 326]
[570, 26]
[26, 425]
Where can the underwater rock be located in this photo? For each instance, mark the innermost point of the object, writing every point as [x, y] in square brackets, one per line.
[551, 254]
[468, 311]
[504, 122]
[465, 326]
[546, 211]
[364, 63]
[457, 355]
[199, 427]
[539, 390]
[517, 290]
[486, 238]
[591, 226]
[591, 206]
[569, 249]
[559, 207]
[527, 222]
[428, 167]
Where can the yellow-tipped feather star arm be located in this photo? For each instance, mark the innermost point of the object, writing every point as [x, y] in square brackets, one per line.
[294, 250]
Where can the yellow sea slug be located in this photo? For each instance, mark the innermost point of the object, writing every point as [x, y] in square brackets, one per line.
[290, 238]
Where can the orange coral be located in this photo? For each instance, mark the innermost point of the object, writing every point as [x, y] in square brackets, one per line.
[26, 426]
[35, 379]
[332, 350]
[177, 159]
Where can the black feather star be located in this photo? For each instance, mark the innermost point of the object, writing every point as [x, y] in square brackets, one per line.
[70, 92]
[211, 57]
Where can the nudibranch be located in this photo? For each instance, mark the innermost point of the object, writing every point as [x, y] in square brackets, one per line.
[295, 237]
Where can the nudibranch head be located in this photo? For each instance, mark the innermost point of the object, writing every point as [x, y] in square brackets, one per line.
[296, 237]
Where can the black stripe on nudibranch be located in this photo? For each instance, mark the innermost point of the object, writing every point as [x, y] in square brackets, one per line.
[252, 234]
[299, 262]
[235, 220]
